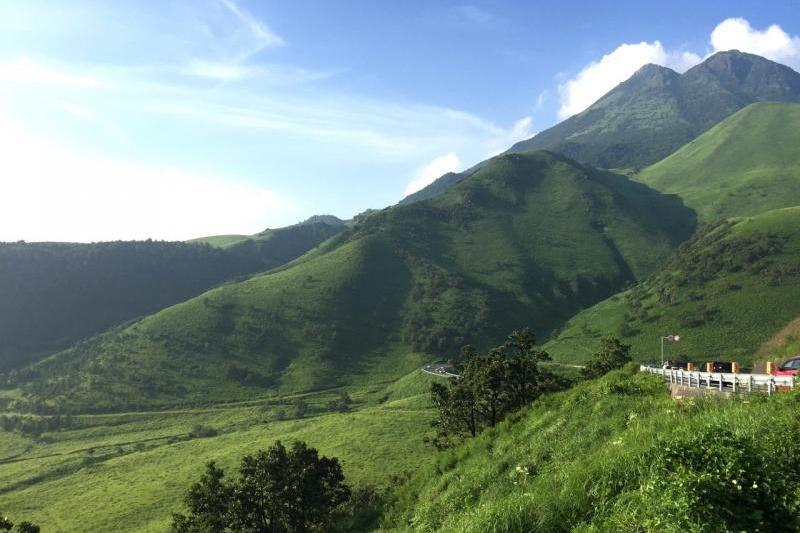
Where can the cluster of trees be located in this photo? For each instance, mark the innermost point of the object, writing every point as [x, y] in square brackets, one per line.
[613, 354]
[507, 378]
[490, 386]
[55, 294]
[22, 527]
[35, 425]
[278, 490]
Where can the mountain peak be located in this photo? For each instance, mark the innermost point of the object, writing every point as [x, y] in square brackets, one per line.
[651, 75]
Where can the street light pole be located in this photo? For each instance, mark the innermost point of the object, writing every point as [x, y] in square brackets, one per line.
[670, 338]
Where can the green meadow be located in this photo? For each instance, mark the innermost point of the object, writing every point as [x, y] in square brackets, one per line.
[129, 471]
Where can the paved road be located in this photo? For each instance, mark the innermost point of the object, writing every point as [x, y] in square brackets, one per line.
[438, 369]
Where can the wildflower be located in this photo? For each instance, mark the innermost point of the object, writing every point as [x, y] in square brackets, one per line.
[755, 486]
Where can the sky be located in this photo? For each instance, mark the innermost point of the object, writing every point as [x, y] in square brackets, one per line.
[164, 119]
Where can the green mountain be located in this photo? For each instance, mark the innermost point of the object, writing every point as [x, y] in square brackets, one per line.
[747, 164]
[528, 239]
[276, 247]
[725, 292]
[657, 110]
[55, 294]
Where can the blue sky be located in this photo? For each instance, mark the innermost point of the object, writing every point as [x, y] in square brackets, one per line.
[171, 120]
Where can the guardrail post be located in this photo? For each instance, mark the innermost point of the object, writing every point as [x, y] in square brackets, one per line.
[690, 367]
[709, 367]
[735, 367]
[750, 384]
[734, 383]
[770, 386]
[720, 382]
[708, 380]
[770, 367]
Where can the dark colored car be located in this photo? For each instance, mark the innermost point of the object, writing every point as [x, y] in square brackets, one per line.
[726, 367]
[790, 367]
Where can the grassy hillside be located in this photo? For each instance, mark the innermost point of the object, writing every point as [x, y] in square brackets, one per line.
[55, 294]
[657, 110]
[725, 292]
[220, 241]
[746, 165]
[783, 345]
[617, 455]
[527, 240]
[128, 472]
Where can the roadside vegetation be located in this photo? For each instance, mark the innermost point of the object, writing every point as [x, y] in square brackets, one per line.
[617, 454]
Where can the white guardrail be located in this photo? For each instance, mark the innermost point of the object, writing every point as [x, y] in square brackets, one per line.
[723, 381]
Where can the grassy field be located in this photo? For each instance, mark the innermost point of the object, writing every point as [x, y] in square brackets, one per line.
[726, 292]
[617, 454]
[129, 471]
[527, 240]
[747, 164]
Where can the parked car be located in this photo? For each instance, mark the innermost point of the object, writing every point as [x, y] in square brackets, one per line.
[722, 366]
[790, 367]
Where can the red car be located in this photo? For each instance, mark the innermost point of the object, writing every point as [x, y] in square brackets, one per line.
[790, 368]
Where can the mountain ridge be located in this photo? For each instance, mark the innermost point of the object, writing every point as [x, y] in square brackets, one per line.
[528, 240]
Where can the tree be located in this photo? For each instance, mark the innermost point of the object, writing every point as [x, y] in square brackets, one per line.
[526, 382]
[489, 387]
[22, 527]
[277, 490]
[458, 414]
[208, 501]
[299, 408]
[613, 354]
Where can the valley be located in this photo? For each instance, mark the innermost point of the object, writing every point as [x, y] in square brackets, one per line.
[671, 205]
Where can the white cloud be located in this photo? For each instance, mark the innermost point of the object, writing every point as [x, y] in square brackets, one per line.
[599, 77]
[773, 43]
[432, 171]
[255, 31]
[522, 129]
[51, 193]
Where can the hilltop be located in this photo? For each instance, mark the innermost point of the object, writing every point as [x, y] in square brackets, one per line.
[56, 294]
[725, 292]
[528, 239]
[657, 110]
[276, 247]
[747, 164]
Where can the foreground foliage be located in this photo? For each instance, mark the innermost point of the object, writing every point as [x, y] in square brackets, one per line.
[22, 527]
[277, 490]
[618, 454]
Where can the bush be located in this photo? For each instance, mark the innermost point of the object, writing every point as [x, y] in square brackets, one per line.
[276, 490]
